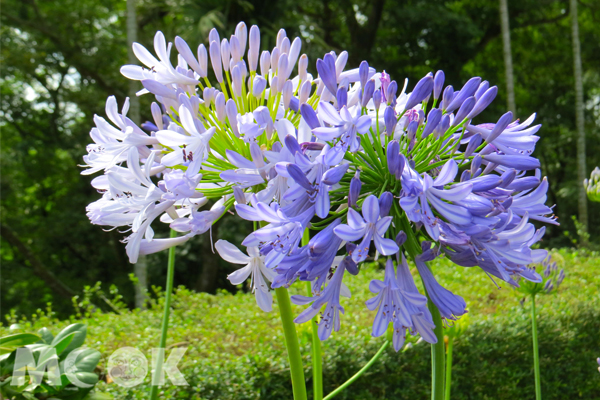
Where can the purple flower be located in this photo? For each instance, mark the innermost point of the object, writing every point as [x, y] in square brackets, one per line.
[371, 227]
[280, 236]
[426, 191]
[390, 302]
[330, 298]
[451, 306]
[343, 125]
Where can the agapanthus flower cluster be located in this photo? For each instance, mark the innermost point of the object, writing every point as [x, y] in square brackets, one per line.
[592, 185]
[552, 278]
[361, 164]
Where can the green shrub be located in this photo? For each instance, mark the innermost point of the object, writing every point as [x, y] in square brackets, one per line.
[235, 351]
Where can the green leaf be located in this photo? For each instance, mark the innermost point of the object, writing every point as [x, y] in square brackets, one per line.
[11, 342]
[85, 361]
[64, 343]
[89, 378]
[80, 331]
[46, 335]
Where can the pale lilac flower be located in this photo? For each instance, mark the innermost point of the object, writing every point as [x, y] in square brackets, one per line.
[254, 267]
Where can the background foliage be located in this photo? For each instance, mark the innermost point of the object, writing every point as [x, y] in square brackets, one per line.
[61, 59]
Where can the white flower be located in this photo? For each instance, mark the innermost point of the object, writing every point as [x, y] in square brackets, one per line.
[254, 267]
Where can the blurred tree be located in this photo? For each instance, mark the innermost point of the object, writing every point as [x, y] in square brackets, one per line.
[508, 64]
[579, 119]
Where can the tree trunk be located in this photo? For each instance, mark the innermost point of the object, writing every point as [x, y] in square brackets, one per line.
[579, 121]
[141, 267]
[508, 67]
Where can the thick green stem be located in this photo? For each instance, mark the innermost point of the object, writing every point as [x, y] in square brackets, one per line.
[291, 343]
[165, 321]
[449, 366]
[359, 373]
[317, 360]
[536, 355]
[437, 355]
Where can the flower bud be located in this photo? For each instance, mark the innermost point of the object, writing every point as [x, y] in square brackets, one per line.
[215, 60]
[232, 112]
[282, 70]
[411, 130]
[225, 54]
[342, 97]
[213, 36]
[288, 91]
[237, 82]
[275, 59]
[447, 97]
[483, 86]
[390, 93]
[293, 54]
[280, 36]
[368, 92]
[385, 204]
[274, 86]
[464, 110]
[265, 63]
[202, 61]
[304, 92]
[433, 119]
[474, 143]
[442, 127]
[438, 83]
[220, 106]
[157, 116]
[208, 95]
[236, 52]
[303, 67]
[467, 91]
[390, 120]
[310, 116]
[483, 101]
[253, 48]
[363, 73]
[400, 238]
[340, 62]
[393, 156]
[500, 126]
[258, 85]
[475, 164]
[385, 82]
[422, 90]
[238, 194]
[327, 73]
[507, 177]
[354, 192]
[377, 99]
[241, 34]
[284, 48]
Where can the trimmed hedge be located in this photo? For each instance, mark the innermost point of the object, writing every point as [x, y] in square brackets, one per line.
[235, 351]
